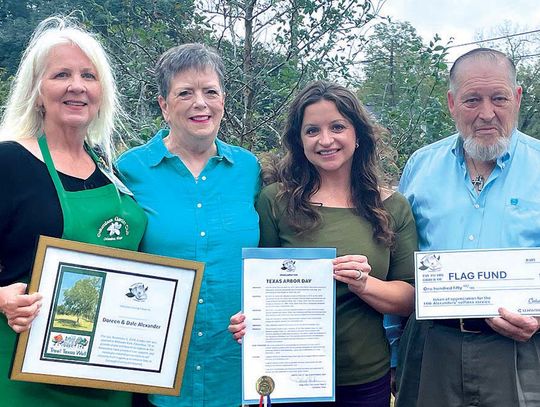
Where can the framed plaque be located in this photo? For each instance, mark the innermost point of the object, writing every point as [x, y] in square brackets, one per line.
[110, 318]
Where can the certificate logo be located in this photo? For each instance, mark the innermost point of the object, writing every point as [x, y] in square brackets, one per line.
[430, 262]
[68, 346]
[137, 291]
[289, 266]
[57, 340]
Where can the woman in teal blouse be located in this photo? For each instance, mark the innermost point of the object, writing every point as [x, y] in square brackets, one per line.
[198, 193]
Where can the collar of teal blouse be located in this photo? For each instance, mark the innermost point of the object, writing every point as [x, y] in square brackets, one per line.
[157, 151]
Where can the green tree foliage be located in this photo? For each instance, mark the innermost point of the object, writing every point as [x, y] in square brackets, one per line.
[529, 117]
[272, 48]
[524, 50]
[5, 83]
[134, 32]
[405, 87]
[81, 299]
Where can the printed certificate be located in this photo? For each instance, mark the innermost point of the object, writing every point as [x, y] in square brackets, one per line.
[288, 298]
[110, 318]
[475, 283]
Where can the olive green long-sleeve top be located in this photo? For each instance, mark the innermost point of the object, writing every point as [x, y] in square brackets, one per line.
[362, 351]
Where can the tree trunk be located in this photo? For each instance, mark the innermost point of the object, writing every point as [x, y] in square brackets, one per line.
[247, 137]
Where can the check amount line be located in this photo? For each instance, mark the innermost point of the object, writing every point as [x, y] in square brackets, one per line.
[477, 281]
[486, 289]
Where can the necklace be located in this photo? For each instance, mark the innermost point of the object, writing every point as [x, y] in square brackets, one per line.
[479, 181]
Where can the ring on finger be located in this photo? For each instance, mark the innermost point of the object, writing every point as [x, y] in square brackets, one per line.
[360, 275]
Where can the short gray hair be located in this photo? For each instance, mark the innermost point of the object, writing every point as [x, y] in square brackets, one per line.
[183, 58]
[486, 54]
[22, 118]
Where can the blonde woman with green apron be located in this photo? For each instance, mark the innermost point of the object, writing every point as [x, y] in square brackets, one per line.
[55, 185]
[84, 214]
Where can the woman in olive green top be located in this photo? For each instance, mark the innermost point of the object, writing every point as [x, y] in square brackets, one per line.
[327, 195]
[62, 105]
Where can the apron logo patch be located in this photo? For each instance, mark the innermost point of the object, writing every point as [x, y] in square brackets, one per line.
[113, 229]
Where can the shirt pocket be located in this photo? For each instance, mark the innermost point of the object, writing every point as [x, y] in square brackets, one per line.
[238, 215]
[521, 226]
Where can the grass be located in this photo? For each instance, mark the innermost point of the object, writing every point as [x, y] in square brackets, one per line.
[70, 322]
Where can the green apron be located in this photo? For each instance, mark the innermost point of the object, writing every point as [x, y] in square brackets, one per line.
[103, 216]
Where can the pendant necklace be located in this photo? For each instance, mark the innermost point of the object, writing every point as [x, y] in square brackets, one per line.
[478, 181]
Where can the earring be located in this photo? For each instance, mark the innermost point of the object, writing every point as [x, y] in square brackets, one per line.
[356, 145]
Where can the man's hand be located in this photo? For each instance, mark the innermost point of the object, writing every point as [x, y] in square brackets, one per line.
[514, 326]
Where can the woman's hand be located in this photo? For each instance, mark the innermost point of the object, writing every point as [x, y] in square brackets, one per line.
[19, 308]
[352, 270]
[238, 326]
[386, 297]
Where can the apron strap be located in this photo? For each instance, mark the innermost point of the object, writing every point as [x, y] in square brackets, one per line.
[61, 192]
[43, 146]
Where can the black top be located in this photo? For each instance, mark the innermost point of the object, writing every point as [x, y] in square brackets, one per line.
[29, 207]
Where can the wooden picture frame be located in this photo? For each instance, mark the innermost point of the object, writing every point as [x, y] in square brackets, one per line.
[110, 318]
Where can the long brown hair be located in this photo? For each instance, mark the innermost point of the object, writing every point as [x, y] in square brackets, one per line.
[299, 179]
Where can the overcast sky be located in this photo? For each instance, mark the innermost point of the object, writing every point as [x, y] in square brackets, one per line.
[461, 19]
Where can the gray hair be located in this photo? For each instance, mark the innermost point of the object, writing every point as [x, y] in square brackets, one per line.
[23, 119]
[183, 58]
[485, 54]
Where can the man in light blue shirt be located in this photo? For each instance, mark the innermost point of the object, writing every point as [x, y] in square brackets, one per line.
[477, 189]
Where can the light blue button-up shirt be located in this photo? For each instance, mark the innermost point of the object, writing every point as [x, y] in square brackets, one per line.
[210, 220]
[451, 215]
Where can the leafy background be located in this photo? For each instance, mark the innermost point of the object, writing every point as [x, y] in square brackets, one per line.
[272, 48]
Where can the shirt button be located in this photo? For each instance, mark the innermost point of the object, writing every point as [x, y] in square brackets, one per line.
[199, 205]
[476, 206]
[201, 300]
[203, 234]
[203, 177]
[200, 333]
[198, 367]
[471, 237]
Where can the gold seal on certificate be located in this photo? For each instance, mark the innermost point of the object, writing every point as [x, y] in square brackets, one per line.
[264, 385]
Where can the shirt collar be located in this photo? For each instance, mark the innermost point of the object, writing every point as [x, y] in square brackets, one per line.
[224, 151]
[457, 150]
[157, 151]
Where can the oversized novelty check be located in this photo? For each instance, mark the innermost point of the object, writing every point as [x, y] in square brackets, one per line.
[475, 283]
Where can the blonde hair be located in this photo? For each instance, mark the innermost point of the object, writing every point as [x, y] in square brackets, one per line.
[23, 118]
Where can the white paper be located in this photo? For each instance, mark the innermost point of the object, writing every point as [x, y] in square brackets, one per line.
[134, 342]
[290, 314]
[475, 283]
